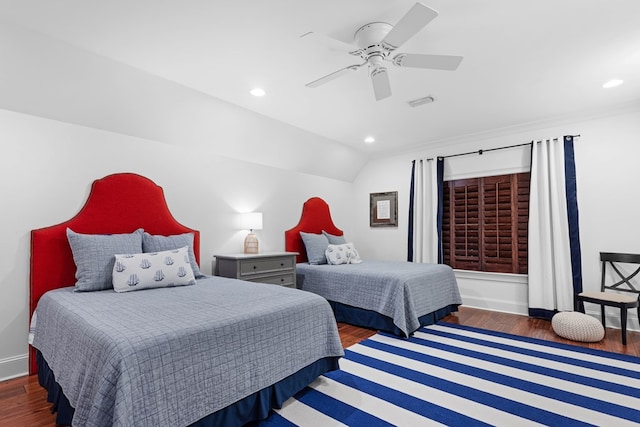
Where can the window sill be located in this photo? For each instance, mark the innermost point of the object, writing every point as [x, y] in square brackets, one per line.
[491, 276]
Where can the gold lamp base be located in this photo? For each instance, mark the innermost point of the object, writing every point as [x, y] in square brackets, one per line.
[251, 244]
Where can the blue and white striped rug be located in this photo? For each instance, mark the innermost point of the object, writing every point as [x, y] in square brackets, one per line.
[448, 374]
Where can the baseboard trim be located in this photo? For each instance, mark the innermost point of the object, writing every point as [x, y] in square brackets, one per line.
[502, 306]
[613, 320]
[13, 367]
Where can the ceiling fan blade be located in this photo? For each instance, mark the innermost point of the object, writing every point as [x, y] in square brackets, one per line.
[380, 80]
[334, 75]
[413, 21]
[436, 62]
[330, 42]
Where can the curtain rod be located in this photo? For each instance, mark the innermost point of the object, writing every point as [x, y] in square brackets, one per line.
[481, 151]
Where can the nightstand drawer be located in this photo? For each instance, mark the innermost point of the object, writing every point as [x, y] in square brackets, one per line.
[274, 268]
[258, 266]
[281, 279]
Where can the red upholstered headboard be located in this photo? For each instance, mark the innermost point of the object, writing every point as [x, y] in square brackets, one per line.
[119, 203]
[315, 218]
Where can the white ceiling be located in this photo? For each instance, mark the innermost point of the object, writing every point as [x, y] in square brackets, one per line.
[524, 61]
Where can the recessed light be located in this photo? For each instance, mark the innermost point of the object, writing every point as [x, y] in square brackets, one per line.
[369, 139]
[257, 92]
[421, 101]
[612, 83]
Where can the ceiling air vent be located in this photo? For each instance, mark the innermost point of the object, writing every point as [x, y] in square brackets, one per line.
[421, 101]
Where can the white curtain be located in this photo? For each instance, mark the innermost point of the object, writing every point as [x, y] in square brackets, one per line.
[550, 270]
[425, 211]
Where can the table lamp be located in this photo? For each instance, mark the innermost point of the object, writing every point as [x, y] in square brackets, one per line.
[251, 221]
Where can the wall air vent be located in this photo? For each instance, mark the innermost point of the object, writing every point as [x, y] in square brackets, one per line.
[421, 101]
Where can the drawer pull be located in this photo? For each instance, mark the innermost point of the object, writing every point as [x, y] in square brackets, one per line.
[282, 279]
[255, 266]
[282, 264]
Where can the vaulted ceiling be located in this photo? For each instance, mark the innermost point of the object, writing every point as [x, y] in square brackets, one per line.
[524, 61]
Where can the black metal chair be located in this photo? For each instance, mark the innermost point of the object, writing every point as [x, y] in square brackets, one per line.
[628, 295]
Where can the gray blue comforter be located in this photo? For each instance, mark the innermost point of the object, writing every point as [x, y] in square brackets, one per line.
[168, 357]
[403, 291]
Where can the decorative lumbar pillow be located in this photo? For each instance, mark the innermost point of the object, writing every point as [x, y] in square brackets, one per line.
[577, 326]
[315, 245]
[155, 243]
[342, 254]
[133, 272]
[333, 239]
[93, 255]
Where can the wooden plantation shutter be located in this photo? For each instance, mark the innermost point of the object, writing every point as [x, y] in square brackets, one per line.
[523, 180]
[500, 223]
[485, 223]
[461, 224]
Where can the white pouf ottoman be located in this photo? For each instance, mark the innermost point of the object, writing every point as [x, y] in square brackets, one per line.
[577, 326]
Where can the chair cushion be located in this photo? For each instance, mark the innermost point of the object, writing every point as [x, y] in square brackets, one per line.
[611, 297]
[577, 326]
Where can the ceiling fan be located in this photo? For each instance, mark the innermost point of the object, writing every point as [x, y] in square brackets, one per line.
[376, 42]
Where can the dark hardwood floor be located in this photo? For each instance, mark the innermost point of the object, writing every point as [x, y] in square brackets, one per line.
[23, 401]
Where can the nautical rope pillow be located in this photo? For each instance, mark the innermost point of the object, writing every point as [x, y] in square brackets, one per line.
[133, 272]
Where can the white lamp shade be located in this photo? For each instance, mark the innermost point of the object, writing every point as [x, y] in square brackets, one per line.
[251, 221]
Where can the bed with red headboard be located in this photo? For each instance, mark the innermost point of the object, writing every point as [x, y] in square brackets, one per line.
[315, 218]
[105, 212]
[396, 297]
[122, 203]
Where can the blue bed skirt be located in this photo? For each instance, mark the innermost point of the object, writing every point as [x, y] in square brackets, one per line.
[250, 408]
[373, 320]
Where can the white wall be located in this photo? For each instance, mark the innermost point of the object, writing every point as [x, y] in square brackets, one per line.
[47, 169]
[608, 202]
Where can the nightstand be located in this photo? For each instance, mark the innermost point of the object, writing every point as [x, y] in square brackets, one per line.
[274, 268]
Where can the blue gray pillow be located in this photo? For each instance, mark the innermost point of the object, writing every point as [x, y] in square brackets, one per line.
[94, 255]
[333, 239]
[315, 245]
[151, 243]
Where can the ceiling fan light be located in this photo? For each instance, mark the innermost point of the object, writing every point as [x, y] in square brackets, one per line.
[369, 140]
[257, 92]
[377, 40]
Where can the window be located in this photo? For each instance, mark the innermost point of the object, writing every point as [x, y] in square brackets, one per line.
[485, 223]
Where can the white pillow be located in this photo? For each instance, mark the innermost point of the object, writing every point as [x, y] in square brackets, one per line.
[132, 272]
[342, 254]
